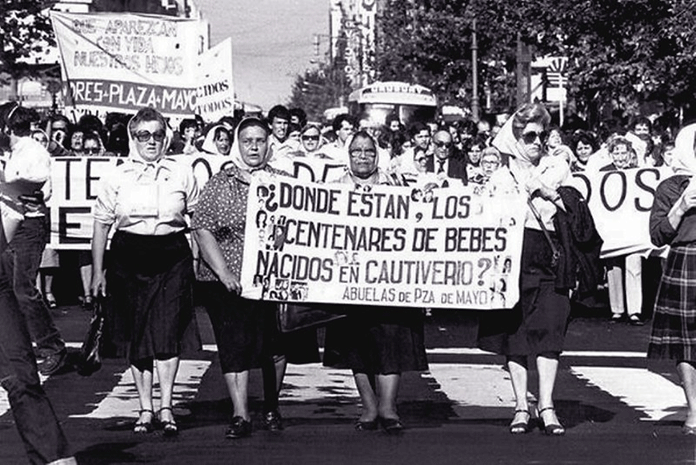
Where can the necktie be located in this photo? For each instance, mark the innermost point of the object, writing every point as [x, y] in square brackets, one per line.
[441, 166]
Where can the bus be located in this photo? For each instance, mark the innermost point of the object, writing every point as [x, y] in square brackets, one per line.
[410, 102]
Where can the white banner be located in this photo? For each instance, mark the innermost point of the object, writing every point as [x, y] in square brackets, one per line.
[215, 93]
[620, 202]
[124, 61]
[308, 242]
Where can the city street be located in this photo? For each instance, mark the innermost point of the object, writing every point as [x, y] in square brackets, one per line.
[617, 408]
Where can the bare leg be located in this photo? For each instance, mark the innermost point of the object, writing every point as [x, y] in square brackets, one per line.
[238, 388]
[687, 373]
[166, 371]
[388, 388]
[518, 376]
[142, 375]
[367, 396]
[547, 365]
[86, 277]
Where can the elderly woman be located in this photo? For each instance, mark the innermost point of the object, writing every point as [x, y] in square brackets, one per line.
[245, 330]
[150, 274]
[624, 273]
[536, 326]
[673, 223]
[218, 141]
[377, 343]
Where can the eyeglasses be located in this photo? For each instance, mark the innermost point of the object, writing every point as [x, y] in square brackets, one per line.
[369, 153]
[420, 160]
[93, 150]
[310, 137]
[144, 136]
[531, 136]
[441, 144]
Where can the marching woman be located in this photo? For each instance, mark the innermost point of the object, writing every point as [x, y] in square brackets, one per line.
[376, 343]
[245, 330]
[536, 326]
[673, 223]
[150, 274]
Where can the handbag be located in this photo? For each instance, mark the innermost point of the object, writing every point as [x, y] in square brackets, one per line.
[556, 254]
[90, 357]
[293, 317]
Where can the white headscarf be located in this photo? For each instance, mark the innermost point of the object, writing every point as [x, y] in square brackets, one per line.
[209, 141]
[133, 151]
[684, 156]
[236, 153]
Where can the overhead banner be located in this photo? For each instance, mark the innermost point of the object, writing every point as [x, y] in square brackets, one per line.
[401, 246]
[125, 61]
[620, 202]
[215, 92]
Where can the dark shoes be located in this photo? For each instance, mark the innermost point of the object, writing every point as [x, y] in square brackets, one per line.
[52, 363]
[391, 425]
[635, 320]
[272, 421]
[366, 425]
[520, 422]
[239, 428]
[169, 427]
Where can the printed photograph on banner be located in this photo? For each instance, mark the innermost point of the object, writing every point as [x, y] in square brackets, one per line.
[381, 245]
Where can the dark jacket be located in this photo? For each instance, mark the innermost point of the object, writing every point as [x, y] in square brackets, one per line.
[456, 167]
[580, 246]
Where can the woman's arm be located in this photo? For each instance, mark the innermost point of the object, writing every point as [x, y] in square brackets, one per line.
[212, 254]
[100, 233]
[667, 213]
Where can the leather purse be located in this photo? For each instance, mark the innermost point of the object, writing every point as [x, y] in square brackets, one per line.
[294, 317]
[90, 357]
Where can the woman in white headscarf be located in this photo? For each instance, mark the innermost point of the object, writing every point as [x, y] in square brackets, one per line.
[150, 273]
[217, 141]
[673, 223]
[245, 330]
[536, 326]
[377, 343]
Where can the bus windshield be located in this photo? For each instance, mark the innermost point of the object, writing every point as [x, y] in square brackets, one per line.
[408, 101]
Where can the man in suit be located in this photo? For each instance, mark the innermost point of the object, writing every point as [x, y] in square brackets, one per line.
[446, 161]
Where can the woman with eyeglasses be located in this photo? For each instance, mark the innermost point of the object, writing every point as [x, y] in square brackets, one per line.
[377, 343]
[312, 142]
[536, 326]
[150, 274]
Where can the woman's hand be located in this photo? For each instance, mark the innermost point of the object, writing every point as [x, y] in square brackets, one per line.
[98, 286]
[231, 282]
[687, 200]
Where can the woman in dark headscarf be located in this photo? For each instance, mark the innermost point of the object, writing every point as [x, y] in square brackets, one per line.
[150, 275]
[536, 326]
[377, 343]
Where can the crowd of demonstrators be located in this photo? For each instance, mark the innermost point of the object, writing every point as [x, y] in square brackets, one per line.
[151, 274]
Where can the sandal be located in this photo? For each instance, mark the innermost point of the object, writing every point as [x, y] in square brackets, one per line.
[520, 427]
[51, 301]
[551, 429]
[168, 426]
[144, 427]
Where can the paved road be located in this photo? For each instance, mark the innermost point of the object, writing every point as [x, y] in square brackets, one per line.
[617, 407]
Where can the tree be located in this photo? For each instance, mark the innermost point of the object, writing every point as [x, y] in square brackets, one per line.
[24, 29]
[318, 89]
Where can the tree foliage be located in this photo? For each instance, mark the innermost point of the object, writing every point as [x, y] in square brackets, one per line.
[624, 52]
[24, 29]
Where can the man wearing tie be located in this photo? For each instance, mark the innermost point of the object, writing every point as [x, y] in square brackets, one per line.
[446, 161]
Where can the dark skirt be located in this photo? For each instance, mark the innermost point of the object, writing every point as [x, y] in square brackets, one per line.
[538, 322]
[377, 340]
[150, 282]
[674, 321]
[246, 331]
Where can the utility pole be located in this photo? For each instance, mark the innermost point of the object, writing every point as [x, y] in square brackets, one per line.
[475, 111]
[524, 64]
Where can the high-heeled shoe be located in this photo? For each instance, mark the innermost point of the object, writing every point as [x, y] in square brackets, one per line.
[551, 429]
[144, 427]
[521, 427]
[169, 427]
[689, 430]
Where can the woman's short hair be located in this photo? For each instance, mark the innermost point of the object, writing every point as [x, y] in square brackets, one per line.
[147, 114]
[529, 113]
[221, 130]
[616, 141]
[586, 138]
[491, 151]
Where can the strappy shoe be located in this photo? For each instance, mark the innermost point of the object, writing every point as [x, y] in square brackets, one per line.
[169, 427]
[144, 427]
[520, 427]
[551, 429]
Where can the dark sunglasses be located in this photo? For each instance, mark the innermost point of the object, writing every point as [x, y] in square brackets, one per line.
[531, 136]
[441, 144]
[420, 159]
[144, 136]
[92, 151]
[310, 137]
